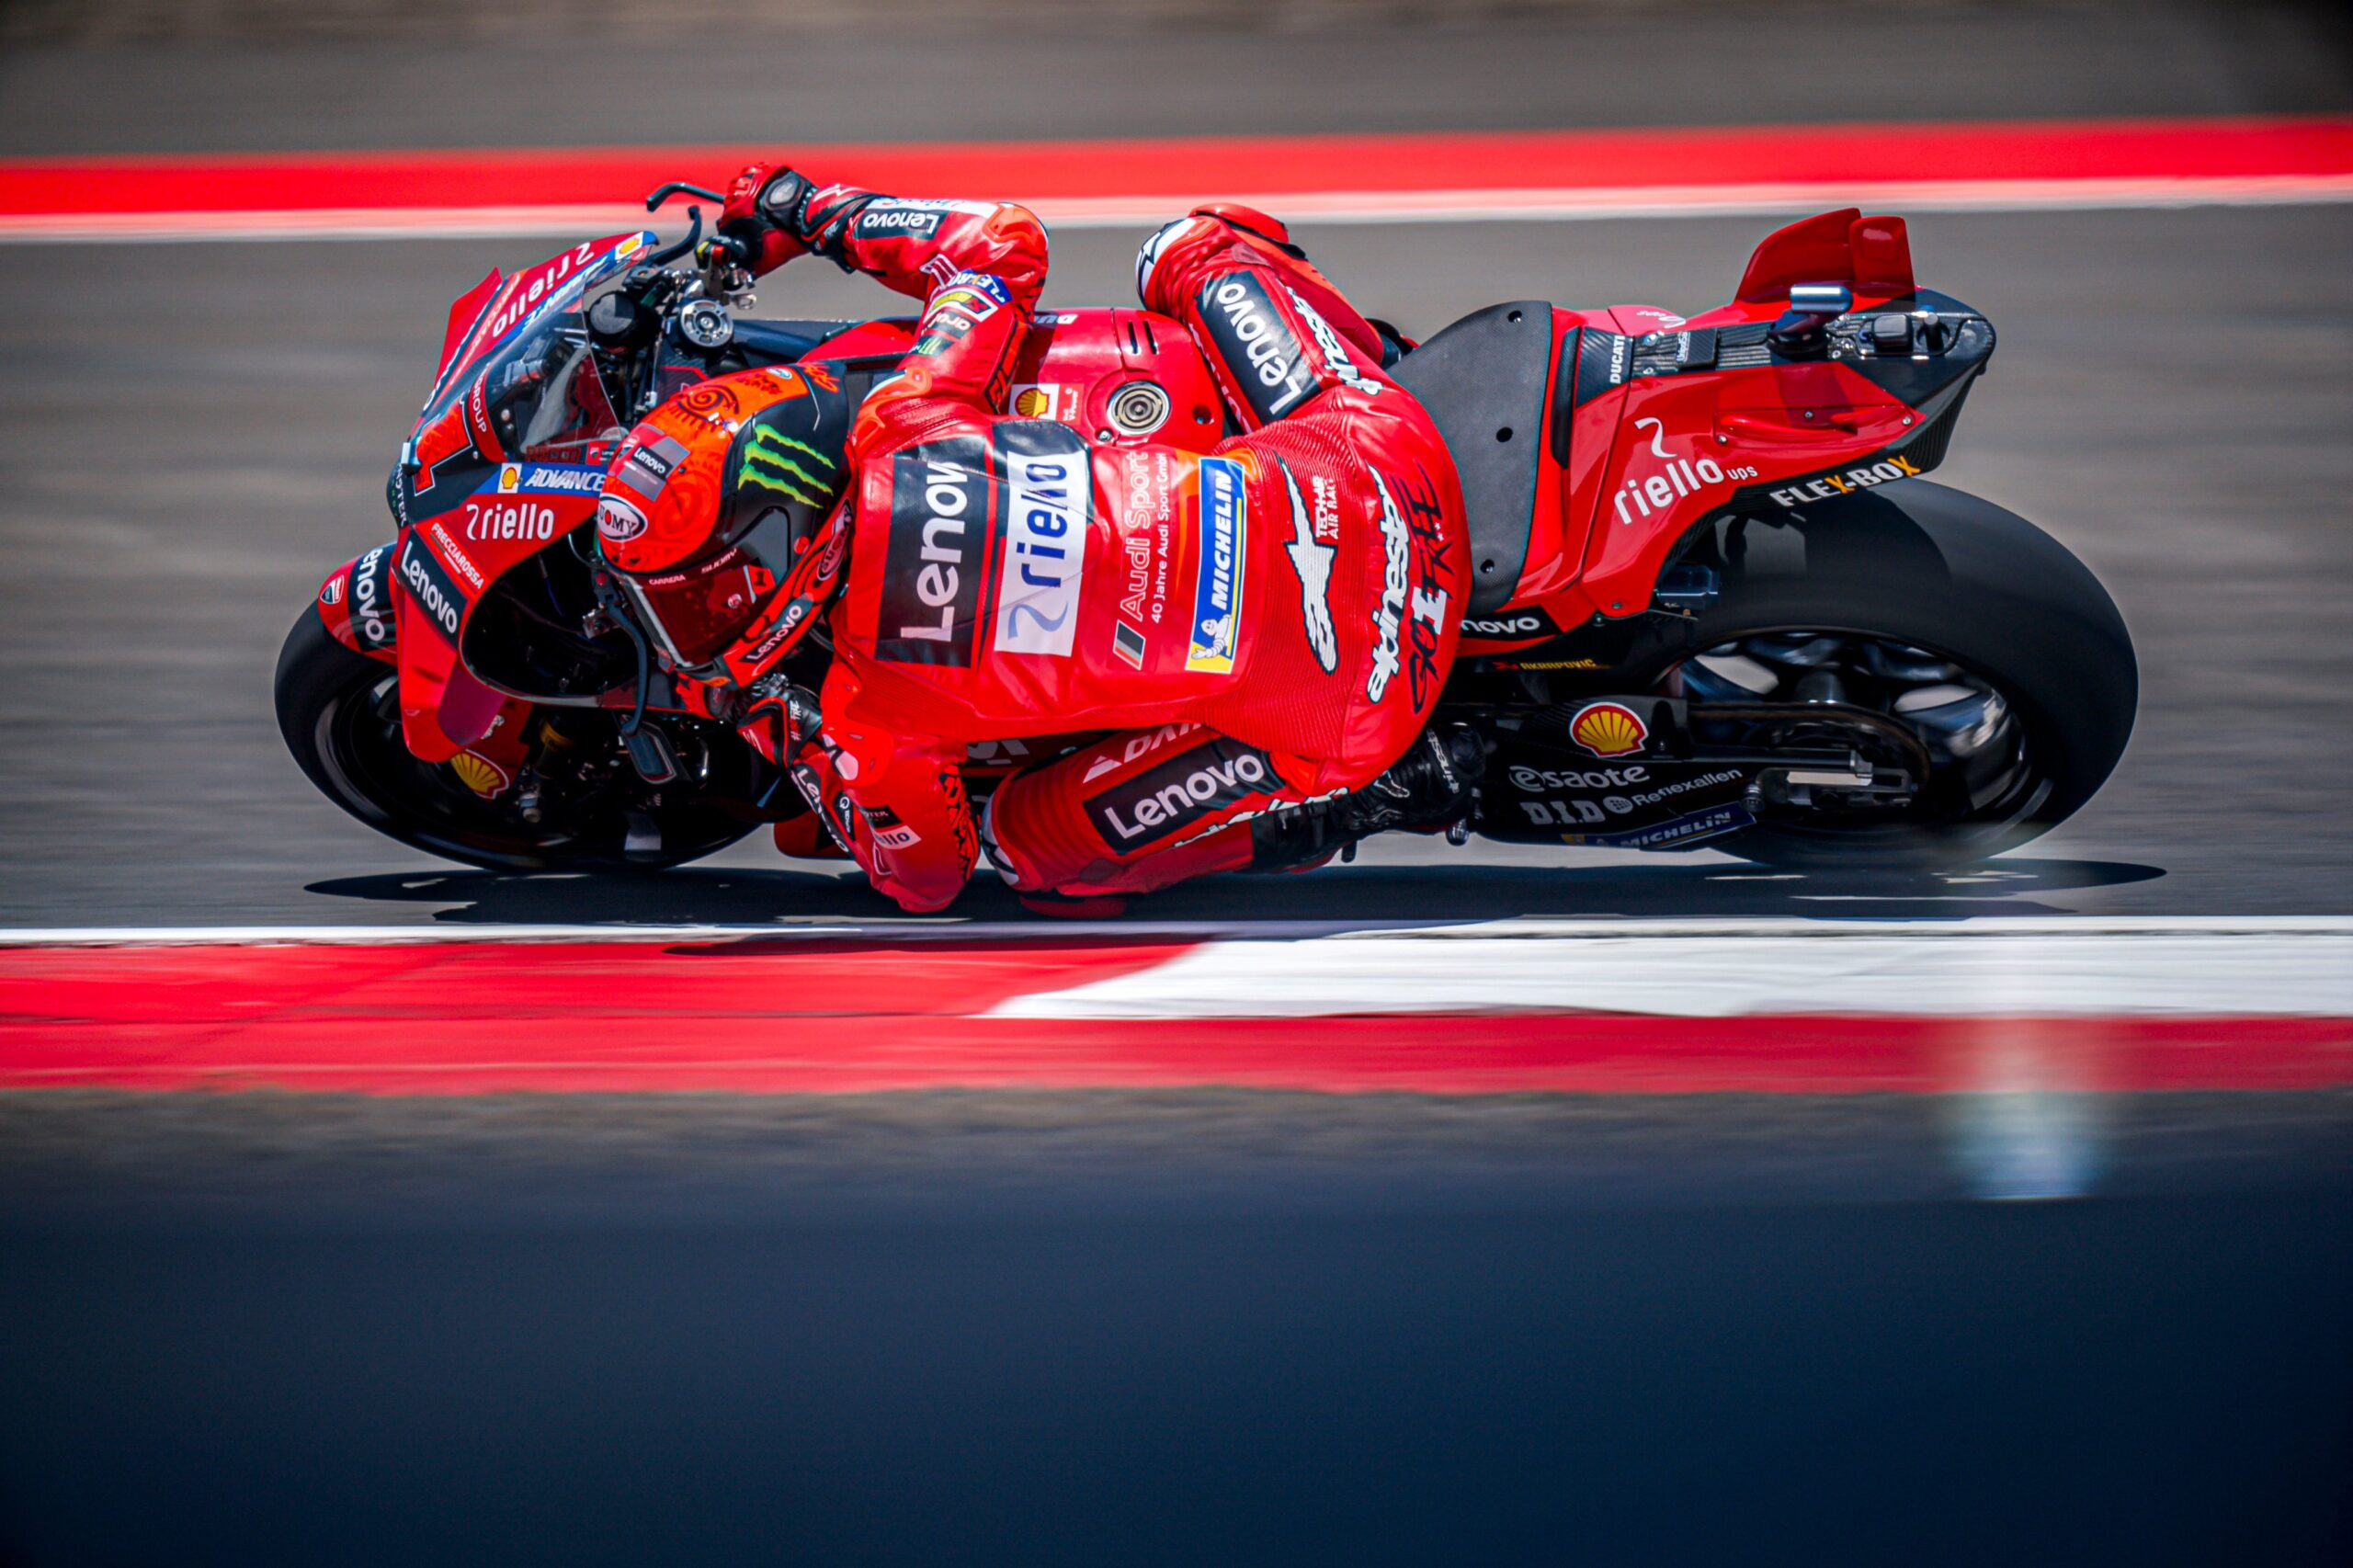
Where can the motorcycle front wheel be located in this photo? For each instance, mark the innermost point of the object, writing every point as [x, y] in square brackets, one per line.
[339, 713]
[1959, 620]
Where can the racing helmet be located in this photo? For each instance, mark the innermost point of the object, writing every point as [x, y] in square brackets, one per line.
[716, 496]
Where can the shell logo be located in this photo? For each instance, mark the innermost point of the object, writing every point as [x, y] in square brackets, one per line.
[479, 774]
[1032, 403]
[1608, 729]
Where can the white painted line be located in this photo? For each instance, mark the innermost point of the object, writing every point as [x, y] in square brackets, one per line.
[1547, 205]
[1977, 968]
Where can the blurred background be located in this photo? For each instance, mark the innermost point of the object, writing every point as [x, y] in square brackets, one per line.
[1160, 1325]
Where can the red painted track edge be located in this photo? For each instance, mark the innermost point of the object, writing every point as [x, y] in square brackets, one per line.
[857, 1014]
[2221, 153]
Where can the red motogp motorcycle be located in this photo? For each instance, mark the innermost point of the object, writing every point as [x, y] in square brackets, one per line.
[1714, 601]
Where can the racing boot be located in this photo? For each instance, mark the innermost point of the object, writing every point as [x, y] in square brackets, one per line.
[1431, 787]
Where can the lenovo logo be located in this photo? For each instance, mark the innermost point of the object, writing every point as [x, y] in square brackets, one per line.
[1165, 800]
[931, 582]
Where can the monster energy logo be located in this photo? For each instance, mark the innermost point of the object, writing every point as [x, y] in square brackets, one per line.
[773, 462]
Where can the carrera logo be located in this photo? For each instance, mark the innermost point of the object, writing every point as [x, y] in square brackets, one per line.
[1848, 483]
[1263, 354]
[1047, 491]
[510, 519]
[371, 604]
[1217, 583]
[431, 587]
[1312, 561]
[1163, 802]
[931, 578]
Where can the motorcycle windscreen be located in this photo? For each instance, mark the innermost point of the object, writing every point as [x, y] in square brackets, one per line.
[540, 395]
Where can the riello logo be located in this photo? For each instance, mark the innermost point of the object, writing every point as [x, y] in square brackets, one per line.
[508, 520]
[1675, 478]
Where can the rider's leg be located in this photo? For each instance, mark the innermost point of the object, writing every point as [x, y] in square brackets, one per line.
[1145, 810]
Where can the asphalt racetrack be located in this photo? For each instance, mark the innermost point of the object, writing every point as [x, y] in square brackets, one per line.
[1172, 1324]
[206, 432]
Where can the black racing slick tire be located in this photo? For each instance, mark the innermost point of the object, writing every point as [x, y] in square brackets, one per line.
[336, 712]
[1918, 566]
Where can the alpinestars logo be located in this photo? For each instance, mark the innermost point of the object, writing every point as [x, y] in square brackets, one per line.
[789, 467]
[1388, 616]
[1313, 561]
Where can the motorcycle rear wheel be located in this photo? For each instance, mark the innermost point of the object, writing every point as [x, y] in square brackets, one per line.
[1918, 566]
[336, 712]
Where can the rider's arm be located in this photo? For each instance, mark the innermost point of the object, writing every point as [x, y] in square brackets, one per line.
[897, 804]
[979, 267]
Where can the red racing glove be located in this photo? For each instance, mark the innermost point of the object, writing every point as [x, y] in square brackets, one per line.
[765, 216]
[779, 720]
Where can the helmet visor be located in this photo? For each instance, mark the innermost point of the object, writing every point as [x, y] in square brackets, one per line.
[695, 612]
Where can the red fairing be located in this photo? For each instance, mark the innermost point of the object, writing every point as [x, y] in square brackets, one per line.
[355, 603]
[1873, 255]
[463, 316]
[1265, 623]
[1652, 456]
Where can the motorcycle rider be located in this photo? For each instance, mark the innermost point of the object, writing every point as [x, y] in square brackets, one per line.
[1263, 630]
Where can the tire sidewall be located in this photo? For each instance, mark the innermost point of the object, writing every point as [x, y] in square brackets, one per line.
[317, 675]
[1938, 569]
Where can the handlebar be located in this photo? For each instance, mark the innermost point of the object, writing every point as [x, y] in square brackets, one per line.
[721, 254]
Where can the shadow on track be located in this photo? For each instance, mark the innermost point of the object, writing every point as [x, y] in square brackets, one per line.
[1343, 895]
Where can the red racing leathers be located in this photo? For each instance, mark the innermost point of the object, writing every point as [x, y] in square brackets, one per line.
[1261, 627]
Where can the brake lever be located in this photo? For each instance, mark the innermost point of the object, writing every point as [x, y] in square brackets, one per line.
[694, 237]
[664, 193]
